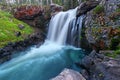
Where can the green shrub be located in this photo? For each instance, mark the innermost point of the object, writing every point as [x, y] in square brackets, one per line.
[113, 55]
[117, 52]
[118, 10]
[99, 9]
[114, 43]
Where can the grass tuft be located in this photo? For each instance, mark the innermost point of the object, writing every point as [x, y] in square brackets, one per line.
[8, 28]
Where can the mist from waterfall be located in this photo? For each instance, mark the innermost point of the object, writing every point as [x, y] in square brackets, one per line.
[65, 28]
[49, 59]
[59, 25]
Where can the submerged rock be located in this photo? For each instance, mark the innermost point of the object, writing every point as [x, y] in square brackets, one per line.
[68, 74]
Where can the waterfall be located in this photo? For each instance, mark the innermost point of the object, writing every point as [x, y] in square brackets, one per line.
[48, 60]
[59, 26]
[64, 27]
[74, 31]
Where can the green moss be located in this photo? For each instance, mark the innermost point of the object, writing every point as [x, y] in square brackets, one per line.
[99, 9]
[114, 43]
[118, 10]
[117, 52]
[8, 27]
[113, 55]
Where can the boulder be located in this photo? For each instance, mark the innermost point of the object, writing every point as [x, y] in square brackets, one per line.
[55, 8]
[18, 34]
[28, 12]
[21, 26]
[85, 7]
[101, 67]
[68, 74]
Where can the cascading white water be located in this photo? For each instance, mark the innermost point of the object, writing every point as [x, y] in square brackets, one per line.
[74, 31]
[59, 25]
[49, 59]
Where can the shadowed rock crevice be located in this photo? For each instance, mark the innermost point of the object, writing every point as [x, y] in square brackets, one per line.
[84, 7]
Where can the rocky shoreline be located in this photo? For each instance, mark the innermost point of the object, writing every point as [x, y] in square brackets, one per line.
[7, 51]
[95, 66]
[100, 34]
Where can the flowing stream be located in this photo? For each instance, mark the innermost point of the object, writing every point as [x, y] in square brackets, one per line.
[51, 58]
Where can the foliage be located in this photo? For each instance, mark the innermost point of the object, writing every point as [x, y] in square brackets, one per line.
[118, 10]
[117, 52]
[8, 28]
[113, 55]
[99, 9]
[114, 43]
[84, 0]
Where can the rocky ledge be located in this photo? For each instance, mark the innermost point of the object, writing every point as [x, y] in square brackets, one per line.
[84, 7]
[95, 66]
[99, 67]
[7, 51]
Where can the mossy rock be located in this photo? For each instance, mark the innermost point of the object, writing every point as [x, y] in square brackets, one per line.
[99, 9]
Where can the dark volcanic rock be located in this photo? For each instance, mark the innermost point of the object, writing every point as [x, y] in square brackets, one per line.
[17, 34]
[86, 6]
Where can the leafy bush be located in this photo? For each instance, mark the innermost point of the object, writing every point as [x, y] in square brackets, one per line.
[99, 9]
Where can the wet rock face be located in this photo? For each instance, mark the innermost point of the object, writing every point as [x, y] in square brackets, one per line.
[68, 74]
[86, 6]
[55, 8]
[110, 5]
[28, 12]
[100, 67]
[32, 15]
[103, 27]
